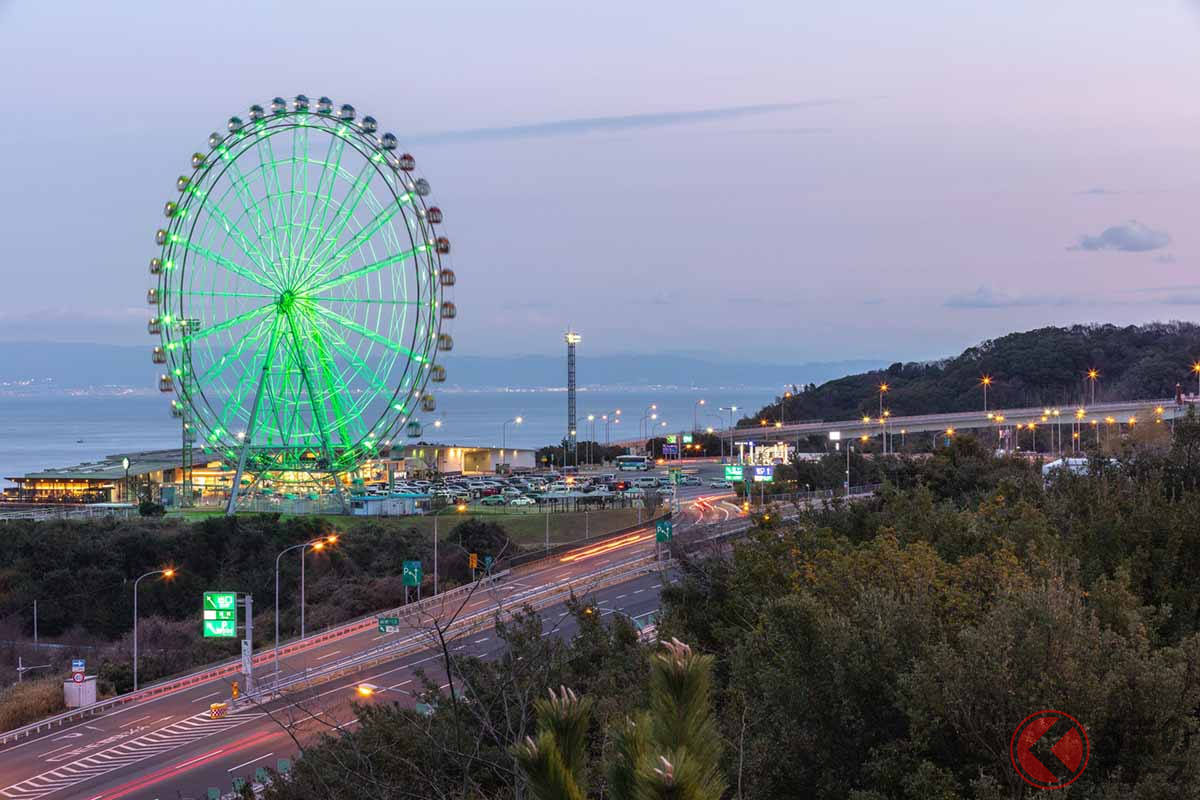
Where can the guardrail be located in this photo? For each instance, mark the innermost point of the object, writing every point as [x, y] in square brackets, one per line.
[532, 562]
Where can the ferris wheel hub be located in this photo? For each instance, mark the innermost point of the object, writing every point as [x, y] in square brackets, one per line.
[286, 301]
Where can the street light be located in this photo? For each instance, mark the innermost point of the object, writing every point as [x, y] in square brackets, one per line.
[1196, 369]
[985, 382]
[504, 430]
[315, 544]
[1092, 375]
[167, 573]
[592, 438]
[883, 387]
[125, 464]
[695, 408]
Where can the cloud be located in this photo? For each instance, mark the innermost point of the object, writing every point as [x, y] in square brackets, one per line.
[1128, 237]
[1097, 190]
[1180, 299]
[1165, 258]
[570, 127]
[985, 297]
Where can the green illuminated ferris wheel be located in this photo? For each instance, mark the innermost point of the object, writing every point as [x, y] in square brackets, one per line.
[301, 293]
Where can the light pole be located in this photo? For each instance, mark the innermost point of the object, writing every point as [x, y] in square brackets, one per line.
[504, 430]
[730, 409]
[125, 464]
[1092, 375]
[644, 429]
[695, 408]
[1196, 369]
[591, 418]
[316, 544]
[985, 382]
[782, 405]
[167, 573]
[883, 387]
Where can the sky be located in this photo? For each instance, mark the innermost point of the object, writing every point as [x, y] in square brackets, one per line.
[809, 181]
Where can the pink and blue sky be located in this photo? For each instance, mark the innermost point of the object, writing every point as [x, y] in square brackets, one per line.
[839, 180]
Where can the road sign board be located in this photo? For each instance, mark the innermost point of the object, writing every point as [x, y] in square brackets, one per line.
[220, 615]
[687, 438]
[388, 624]
[77, 677]
[671, 438]
[473, 560]
[663, 530]
[487, 563]
[670, 449]
[764, 474]
[77, 665]
[733, 472]
[413, 573]
[220, 629]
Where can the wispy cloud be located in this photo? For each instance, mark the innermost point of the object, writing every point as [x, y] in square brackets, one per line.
[1165, 258]
[985, 297]
[1097, 190]
[1128, 237]
[571, 127]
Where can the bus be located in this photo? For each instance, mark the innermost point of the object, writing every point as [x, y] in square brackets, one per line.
[643, 463]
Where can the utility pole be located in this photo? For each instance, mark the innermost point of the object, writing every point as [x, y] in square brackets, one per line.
[248, 644]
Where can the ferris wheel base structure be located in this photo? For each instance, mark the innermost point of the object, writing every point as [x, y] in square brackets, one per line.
[300, 298]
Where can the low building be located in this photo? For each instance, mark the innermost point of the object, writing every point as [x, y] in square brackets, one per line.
[103, 481]
[423, 460]
[394, 505]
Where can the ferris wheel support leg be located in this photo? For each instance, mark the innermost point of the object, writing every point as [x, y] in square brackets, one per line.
[241, 467]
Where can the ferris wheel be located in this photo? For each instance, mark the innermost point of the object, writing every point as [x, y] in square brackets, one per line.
[301, 292]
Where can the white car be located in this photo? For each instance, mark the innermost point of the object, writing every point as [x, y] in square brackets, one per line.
[719, 484]
[522, 501]
[646, 482]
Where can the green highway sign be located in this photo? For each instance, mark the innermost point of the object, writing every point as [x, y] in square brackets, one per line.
[670, 438]
[676, 475]
[733, 472]
[220, 628]
[388, 624]
[687, 438]
[663, 530]
[487, 563]
[220, 615]
[413, 573]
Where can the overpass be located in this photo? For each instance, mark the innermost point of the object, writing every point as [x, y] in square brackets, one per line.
[1119, 413]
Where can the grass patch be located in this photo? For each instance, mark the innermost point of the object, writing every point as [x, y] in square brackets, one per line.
[29, 701]
[526, 528]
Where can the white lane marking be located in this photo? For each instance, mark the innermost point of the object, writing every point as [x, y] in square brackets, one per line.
[638, 591]
[205, 697]
[167, 717]
[481, 641]
[67, 736]
[401, 683]
[327, 655]
[251, 761]
[139, 719]
[55, 750]
[621, 596]
[93, 727]
[656, 586]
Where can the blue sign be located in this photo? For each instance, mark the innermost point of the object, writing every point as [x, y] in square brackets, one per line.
[77, 665]
[764, 474]
[670, 449]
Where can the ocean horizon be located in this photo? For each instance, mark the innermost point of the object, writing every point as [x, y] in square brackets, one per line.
[44, 430]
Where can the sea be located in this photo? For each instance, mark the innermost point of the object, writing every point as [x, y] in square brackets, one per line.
[58, 430]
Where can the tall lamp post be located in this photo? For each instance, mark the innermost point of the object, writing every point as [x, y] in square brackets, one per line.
[730, 409]
[695, 408]
[125, 464]
[1092, 375]
[315, 544]
[1196, 369]
[504, 430]
[591, 418]
[167, 573]
[985, 382]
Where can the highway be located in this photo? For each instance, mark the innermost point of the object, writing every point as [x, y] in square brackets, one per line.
[1120, 412]
[166, 746]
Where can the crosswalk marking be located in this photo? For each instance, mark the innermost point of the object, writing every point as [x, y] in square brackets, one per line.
[86, 767]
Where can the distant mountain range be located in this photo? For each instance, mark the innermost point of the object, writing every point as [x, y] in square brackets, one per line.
[31, 367]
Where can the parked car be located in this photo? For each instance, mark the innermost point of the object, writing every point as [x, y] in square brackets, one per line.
[690, 480]
[522, 501]
[646, 482]
[510, 491]
[719, 484]
[493, 500]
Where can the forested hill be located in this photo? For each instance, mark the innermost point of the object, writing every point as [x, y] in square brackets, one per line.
[1047, 366]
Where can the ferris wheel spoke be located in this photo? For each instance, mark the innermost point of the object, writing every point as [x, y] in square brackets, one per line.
[344, 213]
[316, 403]
[228, 264]
[355, 274]
[241, 187]
[364, 332]
[190, 293]
[226, 324]
[249, 378]
[333, 386]
[347, 352]
[371, 301]
[273, 199]
[344, 252]
[340, 143]
[231, 229]
[231, 356]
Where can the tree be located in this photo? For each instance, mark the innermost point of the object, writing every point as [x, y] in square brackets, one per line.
[672, 750]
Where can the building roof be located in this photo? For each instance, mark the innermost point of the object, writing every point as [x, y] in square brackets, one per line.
[110, 467]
